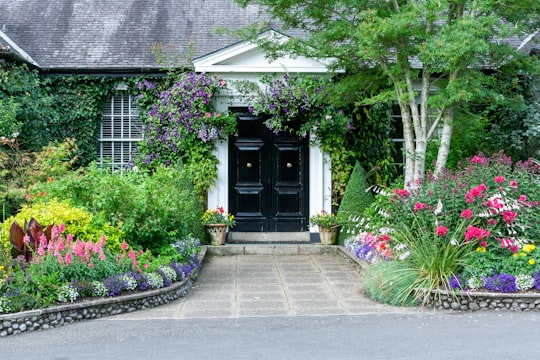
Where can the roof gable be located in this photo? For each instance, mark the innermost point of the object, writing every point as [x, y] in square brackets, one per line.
[247, 57]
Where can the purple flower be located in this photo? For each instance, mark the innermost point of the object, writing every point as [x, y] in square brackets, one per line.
[504, 283]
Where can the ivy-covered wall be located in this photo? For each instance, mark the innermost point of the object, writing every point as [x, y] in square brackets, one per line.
[45, 108]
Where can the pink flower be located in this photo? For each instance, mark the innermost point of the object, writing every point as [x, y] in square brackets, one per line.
[499, 179]
[509, 216]
[68, 258]
[478, 160]
[145, 266]
[43, 241]
[102, 241]
[492, 222]
[483, 244]
[40, 251]
[513, 184]
[522, 198]
[402, 192]
[60, 244]
[60, 259]
[474, 232]
[441, 230]
[91, 265]
[69, 239]
[26, 239]
[475, 192]
[495, 203]
[124, 246]
[467, 213]
[419, 206]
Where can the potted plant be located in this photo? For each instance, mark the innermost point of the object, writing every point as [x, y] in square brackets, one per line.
[328, 226]
[217, 221]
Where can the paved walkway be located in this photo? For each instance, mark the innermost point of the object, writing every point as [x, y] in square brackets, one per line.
[271, 285]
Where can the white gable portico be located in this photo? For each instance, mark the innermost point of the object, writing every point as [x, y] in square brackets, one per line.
[243, 62]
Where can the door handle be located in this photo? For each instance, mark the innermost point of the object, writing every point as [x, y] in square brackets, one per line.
[289, 165]
[249, 165]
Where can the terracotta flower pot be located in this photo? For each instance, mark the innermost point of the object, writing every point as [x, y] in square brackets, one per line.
[328, 235]
[218, 233]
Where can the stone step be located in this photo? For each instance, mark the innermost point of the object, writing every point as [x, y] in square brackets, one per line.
[268, 237]
[269, 249]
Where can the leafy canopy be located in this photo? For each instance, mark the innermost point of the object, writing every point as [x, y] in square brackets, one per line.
[432, 52]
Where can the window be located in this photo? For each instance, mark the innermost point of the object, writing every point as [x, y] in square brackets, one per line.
[121, 129]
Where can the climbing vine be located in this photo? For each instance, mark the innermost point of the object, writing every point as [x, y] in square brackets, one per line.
[182, 126]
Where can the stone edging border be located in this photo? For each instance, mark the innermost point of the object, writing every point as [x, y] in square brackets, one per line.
[16, 323]
[478, 300]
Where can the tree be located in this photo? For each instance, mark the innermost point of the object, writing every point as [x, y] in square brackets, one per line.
[432, 55]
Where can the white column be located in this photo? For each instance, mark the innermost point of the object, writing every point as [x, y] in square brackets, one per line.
[320, 182]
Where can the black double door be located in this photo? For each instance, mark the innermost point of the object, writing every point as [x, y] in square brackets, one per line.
[268, 176]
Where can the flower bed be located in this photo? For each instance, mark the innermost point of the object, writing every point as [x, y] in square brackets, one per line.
[15, 323]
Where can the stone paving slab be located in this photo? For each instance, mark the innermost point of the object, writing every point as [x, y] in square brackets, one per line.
[272, 284]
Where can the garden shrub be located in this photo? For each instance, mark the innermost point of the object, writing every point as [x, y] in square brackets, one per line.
[355, 200]
[153, 209]
[20, 169]
[79, 222]
[170, 211]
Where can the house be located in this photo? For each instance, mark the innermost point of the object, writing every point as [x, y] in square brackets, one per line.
[271, 183]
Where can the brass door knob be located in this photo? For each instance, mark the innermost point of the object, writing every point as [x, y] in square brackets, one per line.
[249, 165]
[289, 165]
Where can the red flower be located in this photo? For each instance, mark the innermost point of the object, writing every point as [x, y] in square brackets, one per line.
[467, 213]
[402, 192]
[441, 230]
[509, 216]
[499, 179]
[479, 160]
[474, 232]
[419, 206]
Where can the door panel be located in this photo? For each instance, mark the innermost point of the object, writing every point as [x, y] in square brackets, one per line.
[268, 178]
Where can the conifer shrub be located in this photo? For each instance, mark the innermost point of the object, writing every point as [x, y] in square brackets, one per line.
[355, 200]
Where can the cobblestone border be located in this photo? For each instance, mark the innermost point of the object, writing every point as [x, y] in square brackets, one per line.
[475, 301]
[16, 323]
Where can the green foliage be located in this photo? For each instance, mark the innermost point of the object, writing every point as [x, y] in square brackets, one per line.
[170, 211]
[9, 126]
[385, 282]
[81, 223]
[28, 291]
[356, 199]
[378, 43]
[152, 209]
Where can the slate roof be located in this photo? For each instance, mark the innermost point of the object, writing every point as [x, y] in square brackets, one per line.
[117, 35]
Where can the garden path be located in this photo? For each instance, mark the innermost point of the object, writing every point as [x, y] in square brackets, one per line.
[271, 285]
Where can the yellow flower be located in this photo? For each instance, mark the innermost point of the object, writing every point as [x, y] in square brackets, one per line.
[515, 255]
[522, 253]
[1, 267]
[528, 247]
[481, 249]
[531, 261]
